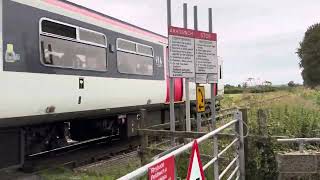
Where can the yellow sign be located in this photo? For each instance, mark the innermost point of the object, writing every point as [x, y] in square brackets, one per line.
[200, 99]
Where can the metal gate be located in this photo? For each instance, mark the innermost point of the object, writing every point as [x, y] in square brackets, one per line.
[235, 169]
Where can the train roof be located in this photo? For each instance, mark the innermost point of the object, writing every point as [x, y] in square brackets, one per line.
[109, 17]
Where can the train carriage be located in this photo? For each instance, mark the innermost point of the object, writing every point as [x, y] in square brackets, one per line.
[64, 68]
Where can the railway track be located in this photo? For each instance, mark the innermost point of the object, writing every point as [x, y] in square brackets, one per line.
[80, 154]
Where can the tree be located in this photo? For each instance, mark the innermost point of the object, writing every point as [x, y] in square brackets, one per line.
[309, 54]
[291, 84]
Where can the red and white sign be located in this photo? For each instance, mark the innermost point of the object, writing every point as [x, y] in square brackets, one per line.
[181, 52]
[195, 170]
[206, 52]
[164, 170]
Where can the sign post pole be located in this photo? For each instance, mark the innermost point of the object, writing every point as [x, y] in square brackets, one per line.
[185, 25]
[171, 88]
[195, 16]
[213, 114]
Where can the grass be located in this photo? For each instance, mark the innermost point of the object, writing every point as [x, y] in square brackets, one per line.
[295, 114]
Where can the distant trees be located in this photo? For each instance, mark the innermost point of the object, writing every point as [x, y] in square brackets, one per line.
[309, 54]
[267, 83]
[291, 84]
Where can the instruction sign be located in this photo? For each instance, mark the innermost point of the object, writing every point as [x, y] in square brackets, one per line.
[201, 78]
[213, 78]
[181, 52]
[164, 170]
[195, 170]
[206, 52]
[200, 99]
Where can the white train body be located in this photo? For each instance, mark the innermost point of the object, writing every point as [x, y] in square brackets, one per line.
[26, 92]
[69, 72]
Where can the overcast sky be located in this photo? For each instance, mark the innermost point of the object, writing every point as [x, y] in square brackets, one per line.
[255, 38]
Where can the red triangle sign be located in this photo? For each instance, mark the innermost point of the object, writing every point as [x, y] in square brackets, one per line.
[195, 170]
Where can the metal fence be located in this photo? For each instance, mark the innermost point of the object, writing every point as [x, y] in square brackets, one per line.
[235, 169]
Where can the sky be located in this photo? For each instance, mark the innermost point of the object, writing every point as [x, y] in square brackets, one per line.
[257, 39]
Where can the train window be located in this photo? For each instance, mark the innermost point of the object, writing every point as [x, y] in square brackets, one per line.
[125, 45]
[69, 54]
[92, 36]
[145, 50]
[130, 63]
[68, 46]
[220, 72]
[58, 29]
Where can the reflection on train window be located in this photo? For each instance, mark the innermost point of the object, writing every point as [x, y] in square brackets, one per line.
[68, 46]
[145, 50]
[69, 54]
[125, 45]
[130, 63]
[134, 58]
[91, 36]
[58, 29]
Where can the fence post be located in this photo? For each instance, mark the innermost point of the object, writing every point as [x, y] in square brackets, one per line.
[246, 140]
[182, 123]
[143, 137]
[239, 130]
[262, 123]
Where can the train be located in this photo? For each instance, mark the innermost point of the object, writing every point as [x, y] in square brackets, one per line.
[68, 72]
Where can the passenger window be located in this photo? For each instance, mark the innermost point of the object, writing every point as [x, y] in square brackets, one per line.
[220, 72]
[129, 63]
[59, 29]
[145, 50]
[69, 54]
[126, 45]
[86, 50]
[134, 58]
[91, 36]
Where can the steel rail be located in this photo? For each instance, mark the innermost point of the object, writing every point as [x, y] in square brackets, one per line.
[228, 167]
[220, 154]
[233, 173]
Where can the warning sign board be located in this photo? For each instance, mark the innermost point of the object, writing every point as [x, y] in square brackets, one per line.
[201, 78]
[206, 52]
[162, 170]
[181, 52]
[200, 99]
[213, 78]
[195, 170]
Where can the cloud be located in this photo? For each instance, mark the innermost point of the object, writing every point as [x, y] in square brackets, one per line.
[255, 38]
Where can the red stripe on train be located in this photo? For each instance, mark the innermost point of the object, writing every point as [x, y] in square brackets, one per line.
[104, 19]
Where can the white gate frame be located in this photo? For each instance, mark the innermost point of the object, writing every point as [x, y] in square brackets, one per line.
[238, 160]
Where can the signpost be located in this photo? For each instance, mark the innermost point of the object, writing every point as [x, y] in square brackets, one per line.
[192, 55]
[181, 52]
[162, 170]
[195, 170]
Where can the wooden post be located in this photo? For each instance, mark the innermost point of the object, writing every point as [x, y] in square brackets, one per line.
[240, 145]
[262, 123]
[143, 137]
[244, 112]
[182, 123]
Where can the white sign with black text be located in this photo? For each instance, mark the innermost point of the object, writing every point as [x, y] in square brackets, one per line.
[181, 52]
[206, 52]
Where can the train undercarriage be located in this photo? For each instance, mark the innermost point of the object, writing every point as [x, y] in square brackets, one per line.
[47, 137]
